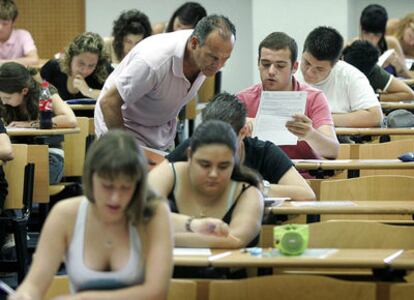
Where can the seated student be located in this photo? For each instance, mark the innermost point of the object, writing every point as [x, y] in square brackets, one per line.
[364, 56]
[116, 238]
[131, 27]
[277, 64]
[351, 98]
[184, 17]
[6, 154]
[373, 22]
[263, 156]
[83, 69]
[405, 35]
[19, 94]
[212, 184]
[15, 44]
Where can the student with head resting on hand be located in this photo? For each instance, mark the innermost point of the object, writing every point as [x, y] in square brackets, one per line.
[373, 22]
[212, 184]
[116, 240]
[351, 98]
[19, 94]
[405, 34]
[364, 56]
[16, 45]
[83, 69]
[262, 156]
[131, 27]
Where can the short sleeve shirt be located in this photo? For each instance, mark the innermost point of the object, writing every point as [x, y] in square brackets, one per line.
[379, 79]
[153, 87]
[264, 157]
[19, 44]
[52, 73]
[317, 109]
[347, 89]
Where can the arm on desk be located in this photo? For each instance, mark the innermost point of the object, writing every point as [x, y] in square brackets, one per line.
[398, 90]
[292, 185]
[370, 117]
[30, 59]
[6, 151]
[64, 115]
[111, 103]
[243, 228]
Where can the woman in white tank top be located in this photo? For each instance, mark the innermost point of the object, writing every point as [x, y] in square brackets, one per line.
[116, 240]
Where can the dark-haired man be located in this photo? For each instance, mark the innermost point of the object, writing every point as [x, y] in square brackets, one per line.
[277, 65]
[351, 98]
[264, 157]
[364, 56]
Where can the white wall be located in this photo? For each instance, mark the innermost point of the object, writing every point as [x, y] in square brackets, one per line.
[254, 19]
[236, 75]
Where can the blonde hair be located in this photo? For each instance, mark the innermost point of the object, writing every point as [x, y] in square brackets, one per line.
[407, 21]
[87, 42]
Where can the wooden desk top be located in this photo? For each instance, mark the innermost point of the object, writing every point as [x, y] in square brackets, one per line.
[37, 132]
[82, 106]
[352, 164]
[398, 105]
[330, 258]
[358, 207]
[374, 131]
[404, 261]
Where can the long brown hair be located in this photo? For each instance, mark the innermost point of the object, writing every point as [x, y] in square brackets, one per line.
[14, 78]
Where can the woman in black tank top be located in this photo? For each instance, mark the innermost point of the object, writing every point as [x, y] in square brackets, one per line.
[211, 193]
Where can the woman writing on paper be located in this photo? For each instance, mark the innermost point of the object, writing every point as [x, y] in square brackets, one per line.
[212, 184]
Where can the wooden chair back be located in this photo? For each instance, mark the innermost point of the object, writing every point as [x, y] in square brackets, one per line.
[39, 155]
[58, 287]
[14, 172]
[182, 289]
[389, 150]
[360, 234]
[75, 149]
[290, 287]
[402, 291]
[378, 187]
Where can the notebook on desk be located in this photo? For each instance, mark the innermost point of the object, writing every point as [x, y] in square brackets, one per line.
[81, 101]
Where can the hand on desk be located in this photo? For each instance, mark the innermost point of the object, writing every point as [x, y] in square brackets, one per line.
[300, 125]
[210, 226]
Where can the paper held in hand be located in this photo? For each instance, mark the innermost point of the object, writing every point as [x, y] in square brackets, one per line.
[275, 109]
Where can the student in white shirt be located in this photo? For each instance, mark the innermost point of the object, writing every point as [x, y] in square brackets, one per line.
[351, 98]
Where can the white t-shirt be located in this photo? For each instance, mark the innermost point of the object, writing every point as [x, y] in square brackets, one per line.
[346, 88]
[152, 84]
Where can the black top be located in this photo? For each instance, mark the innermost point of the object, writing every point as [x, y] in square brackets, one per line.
[264, 157]
[51, 72]
[226, 218]
[379, 78]
[3, 182]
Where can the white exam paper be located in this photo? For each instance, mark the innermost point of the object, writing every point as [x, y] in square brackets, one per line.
[192, 251]
[322, 203]
[275, 109]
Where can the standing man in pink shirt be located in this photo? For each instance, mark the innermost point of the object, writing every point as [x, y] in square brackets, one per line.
[314, 129]
[16, 45]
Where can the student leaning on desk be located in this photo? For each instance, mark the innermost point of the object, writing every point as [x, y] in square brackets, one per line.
[213, 184]
[19, 94]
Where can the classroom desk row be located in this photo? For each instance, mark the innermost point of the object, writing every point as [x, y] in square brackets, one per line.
[345, 259]
[351, 165]
[397, 105]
